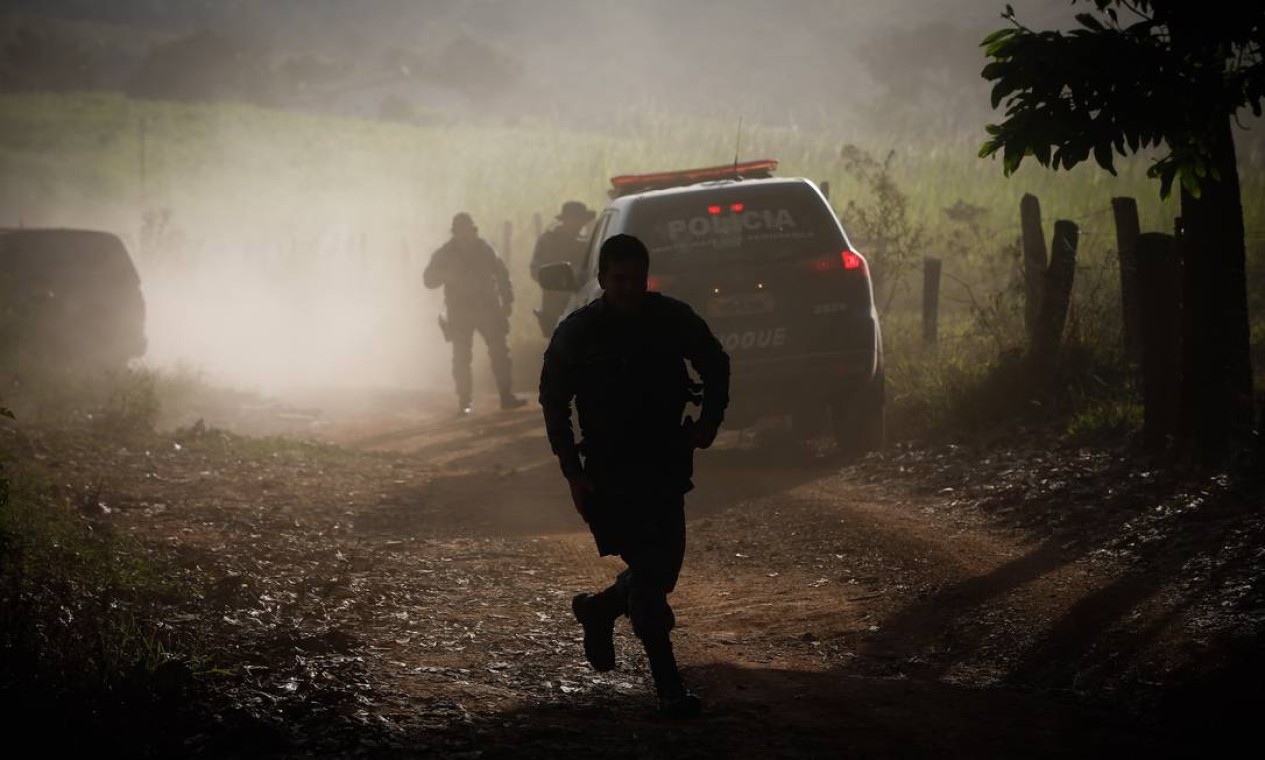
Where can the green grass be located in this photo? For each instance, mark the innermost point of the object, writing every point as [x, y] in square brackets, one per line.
[80, 601]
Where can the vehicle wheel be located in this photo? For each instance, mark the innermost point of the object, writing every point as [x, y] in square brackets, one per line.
[859, 420]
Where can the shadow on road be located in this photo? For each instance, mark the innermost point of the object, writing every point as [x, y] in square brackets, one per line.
[769, 713]
[497, 478]
[1171, 552]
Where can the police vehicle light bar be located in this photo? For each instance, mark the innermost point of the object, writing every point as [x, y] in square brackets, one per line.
[636, 183]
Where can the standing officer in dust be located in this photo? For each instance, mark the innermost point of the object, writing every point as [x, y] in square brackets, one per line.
[561, 242]
[478, 297]
[622, 358]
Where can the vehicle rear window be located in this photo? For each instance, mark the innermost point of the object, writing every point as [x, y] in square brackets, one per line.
[65, 256]
[735, 225]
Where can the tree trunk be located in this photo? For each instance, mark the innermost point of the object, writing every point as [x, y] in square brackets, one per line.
[1159, 285]
[1217, 370]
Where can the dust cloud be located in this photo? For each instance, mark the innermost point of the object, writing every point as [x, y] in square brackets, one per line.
[278, 271]
[340, 324]
[293, 280]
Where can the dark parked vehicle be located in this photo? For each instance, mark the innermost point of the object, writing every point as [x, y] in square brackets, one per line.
[69, 298]
[767, 263]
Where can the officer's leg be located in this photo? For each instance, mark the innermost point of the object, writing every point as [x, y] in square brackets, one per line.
[552, 304]
[597, 613]
[653, 568]
[495, 330]
[612, 601]
[462, 336]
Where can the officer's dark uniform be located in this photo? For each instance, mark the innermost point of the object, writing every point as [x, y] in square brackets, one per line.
[555, 245]
[560, 243]
[628, 377]
[478, 297]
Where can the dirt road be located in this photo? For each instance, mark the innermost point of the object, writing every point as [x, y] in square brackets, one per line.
[407, 594]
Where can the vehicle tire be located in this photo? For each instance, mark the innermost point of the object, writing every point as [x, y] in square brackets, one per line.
[859, 420]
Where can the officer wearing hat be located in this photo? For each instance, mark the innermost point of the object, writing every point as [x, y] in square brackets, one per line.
[478, 298]
[561, 242]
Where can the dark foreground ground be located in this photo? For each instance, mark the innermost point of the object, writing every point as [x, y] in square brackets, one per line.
[401, 588]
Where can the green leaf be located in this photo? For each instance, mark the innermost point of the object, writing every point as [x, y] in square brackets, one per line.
[995, 70]
[1000, 49]
[1102, 154]
[1000, 91]
[1090, 22]
[1190, 184]
[1000, 34]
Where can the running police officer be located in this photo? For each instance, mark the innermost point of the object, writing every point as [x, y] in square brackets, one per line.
[478, 298]
[561, 242]
[622, 359]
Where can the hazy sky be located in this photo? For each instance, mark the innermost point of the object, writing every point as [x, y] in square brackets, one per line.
[792, 60]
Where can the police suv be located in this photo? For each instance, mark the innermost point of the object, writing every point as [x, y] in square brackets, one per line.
[765, 261]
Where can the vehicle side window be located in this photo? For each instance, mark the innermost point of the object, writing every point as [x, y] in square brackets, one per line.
[595, 243]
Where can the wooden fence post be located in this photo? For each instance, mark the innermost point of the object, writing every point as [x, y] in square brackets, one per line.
[1057, 294]
[1034, 261]
[507, 232]
[930, 300]
[1125, 211]
[1159, 282]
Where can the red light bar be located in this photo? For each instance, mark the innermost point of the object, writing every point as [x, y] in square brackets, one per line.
[635, 183]
[736, 208]
[852, 260]
[713, 210]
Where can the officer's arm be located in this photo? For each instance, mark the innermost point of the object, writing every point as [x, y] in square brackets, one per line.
[710, 362]
[436, 271]
[557, 389]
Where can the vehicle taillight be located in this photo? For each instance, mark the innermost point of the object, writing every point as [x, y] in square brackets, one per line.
[713, 210]
[824, 264]
[848, 260]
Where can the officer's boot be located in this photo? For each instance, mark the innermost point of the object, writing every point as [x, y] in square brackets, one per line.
[598, 613]
[675, 701]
